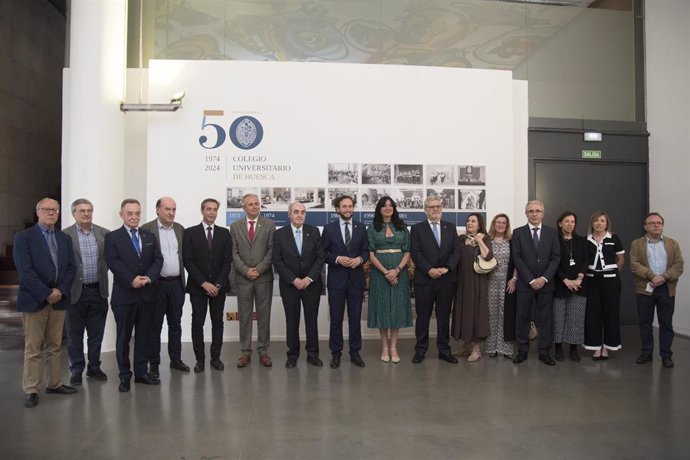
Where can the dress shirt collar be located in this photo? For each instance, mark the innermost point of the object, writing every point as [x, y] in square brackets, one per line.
[129, 229]
[432, 223]
[206, 226]
[160, 225]
[294, 229]
[649, 241]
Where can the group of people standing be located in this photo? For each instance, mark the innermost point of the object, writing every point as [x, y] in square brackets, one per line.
[481, 285]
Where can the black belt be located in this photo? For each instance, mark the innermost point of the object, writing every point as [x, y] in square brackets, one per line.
[90, 285]
[169, 278]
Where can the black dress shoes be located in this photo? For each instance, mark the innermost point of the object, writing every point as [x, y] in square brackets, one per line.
[335, 362]
[357, 360]
[574, 355]
[124, 386]
[147, 379]
[199, 367]
[418, 358]
[75, 380]
[559, 352]
[547, 359]
[644, 359]
[667, 362]
[291, 363]
[217, 364]
[61, 390]
[96, 374]
[154, 371]
[314, 361]
[447, 357]
[519, 358]
[30, 400]
[179, 366]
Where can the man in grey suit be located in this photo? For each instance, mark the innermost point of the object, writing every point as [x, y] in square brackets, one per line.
[536, 255]
[252, 245]
[169, 235]
[89, 296]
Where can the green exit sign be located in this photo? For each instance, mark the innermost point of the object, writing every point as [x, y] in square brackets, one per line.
[591, 154]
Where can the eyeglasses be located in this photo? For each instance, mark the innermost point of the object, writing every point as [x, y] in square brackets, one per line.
[437, 206]
[49, 210]
[654, 223]
[534, 211]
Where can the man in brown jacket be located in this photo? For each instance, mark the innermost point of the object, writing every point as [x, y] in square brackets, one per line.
[656, 263]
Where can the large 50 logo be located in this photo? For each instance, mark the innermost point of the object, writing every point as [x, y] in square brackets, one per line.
[245, 132]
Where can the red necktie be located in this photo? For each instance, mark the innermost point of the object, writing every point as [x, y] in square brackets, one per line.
[251, 230]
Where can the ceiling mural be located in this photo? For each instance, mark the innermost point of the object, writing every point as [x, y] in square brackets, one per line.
[463, 33]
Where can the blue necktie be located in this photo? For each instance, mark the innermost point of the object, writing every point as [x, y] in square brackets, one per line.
[135, 240]
[52, 247]
[298, 240]
[437, 235]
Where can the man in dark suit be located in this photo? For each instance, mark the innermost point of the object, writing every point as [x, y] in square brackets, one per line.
[135, 259]
[252, 239]
[89, 308]
[171, 286]
[45, 264]
[346, 248]
[536, 255]
[207, 258]
[298, 258]
[435, 252]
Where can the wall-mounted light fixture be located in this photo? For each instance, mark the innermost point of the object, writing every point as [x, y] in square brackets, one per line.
[174, 105]
[592, 137]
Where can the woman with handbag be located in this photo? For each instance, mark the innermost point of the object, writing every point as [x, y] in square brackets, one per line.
[471, 309]
[501, 289]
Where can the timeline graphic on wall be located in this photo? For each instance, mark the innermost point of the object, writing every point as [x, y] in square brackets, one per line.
[461, 189]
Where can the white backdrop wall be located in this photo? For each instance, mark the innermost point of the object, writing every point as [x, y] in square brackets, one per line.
[667, 34]
[313, 115]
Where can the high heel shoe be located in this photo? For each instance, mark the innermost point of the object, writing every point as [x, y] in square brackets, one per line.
[385, 357]
[475, 355]
[395, 358]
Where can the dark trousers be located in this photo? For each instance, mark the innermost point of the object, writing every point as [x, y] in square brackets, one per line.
[665, 306]
[136, 316]
[544, 320]
[337, 298]
[215, 306]
[293, 301]
[89, 315]
[169, 305]
[602, 317]
[427, 296]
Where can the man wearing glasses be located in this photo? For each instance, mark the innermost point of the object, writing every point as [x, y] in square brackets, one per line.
[435, 250]
[536, 254]
[656, 263]
[45, 264]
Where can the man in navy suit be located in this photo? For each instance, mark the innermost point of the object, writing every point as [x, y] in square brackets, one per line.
[135, 259]
[346, 248]
[435, 252]
[298, 258]
[45, 264]
[536, 255]
[208, 259]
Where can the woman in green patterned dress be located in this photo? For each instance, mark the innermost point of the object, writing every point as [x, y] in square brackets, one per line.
[389, 289]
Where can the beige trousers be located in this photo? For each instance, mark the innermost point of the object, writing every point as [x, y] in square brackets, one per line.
[42, 340]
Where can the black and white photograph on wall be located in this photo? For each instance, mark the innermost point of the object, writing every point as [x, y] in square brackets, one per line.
[408, 174]
[438, 175]
[343, 173]
[370, 196]
[471, 175]
[472, 199]
[409, 198]
[374, 174]
[311, 197]
[334, 193]
[446, 195]
[235, 194]
[275, 198]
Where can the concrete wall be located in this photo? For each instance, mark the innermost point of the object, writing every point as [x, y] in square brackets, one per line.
[32, 33]
[667, 35]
